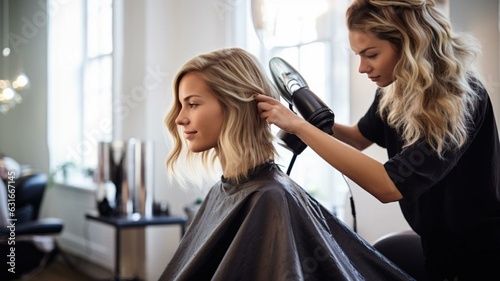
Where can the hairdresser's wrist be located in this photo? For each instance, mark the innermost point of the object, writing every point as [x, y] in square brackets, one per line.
[296, 125]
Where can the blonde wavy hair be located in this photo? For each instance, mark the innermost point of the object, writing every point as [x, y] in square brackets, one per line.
[234, 76]
[432, 95]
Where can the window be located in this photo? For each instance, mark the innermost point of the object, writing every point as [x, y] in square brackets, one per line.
[80, 80]
[312, 37]
[97, 65]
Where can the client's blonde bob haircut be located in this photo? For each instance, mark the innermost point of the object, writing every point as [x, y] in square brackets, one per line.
[234, 76]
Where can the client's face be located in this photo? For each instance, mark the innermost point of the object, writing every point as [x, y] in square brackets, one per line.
[201, 114]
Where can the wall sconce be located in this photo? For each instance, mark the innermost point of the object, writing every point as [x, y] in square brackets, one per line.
[9, 90]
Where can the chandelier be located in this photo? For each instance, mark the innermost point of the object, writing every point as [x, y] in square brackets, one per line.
[9, 90]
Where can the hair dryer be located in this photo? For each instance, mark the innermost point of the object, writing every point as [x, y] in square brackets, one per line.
[294, 89]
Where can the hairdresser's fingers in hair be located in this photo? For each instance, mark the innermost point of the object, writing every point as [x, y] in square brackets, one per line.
[264, 98]
[264, 103]
[274, 112]
[267, 106]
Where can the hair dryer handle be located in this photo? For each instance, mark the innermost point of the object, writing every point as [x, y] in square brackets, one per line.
[291, 142]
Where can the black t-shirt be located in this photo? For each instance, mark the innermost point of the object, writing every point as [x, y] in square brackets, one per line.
[453, 203]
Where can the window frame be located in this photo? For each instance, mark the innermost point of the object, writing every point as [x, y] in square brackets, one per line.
[69, 140]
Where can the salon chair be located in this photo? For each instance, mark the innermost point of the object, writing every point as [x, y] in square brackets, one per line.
[35, 246]
[404, 249]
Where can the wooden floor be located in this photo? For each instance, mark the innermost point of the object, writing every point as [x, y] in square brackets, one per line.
[59, 271]
[70, 268]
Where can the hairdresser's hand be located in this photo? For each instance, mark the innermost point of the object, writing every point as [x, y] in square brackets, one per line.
[274, 112]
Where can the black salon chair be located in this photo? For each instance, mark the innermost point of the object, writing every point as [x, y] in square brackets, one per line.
[28, 242]
[404, 249]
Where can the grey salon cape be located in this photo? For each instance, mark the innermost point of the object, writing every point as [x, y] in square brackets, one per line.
[269, 228]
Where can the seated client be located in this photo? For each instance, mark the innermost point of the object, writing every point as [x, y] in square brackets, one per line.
[256, 223]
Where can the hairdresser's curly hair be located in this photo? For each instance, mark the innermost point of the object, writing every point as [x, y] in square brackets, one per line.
[431, 98]
[234, 76]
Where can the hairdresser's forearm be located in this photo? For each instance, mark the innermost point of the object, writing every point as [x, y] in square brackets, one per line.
[350, 135]
[362, 169]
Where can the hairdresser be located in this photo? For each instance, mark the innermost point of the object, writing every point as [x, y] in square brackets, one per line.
[434, 116]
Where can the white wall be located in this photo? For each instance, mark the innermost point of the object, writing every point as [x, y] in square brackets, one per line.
[23, 130]
[481, 19]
